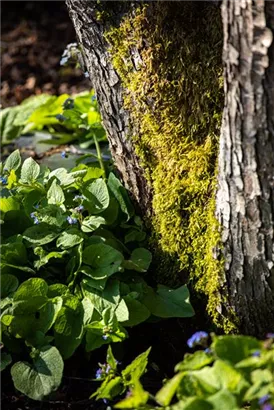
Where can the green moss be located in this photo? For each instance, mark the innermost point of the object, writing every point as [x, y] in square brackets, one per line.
[175, 97]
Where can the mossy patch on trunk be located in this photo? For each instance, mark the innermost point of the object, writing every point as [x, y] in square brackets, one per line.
[169, 58]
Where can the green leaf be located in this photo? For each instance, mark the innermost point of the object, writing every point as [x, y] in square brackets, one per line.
[137, 399]
[195, 404]
[8, 129]
[9, 204]
[69, 238]
[120, 193]
[140, 260]
[111, 359]
[68, 327]
[194, 361]
[91, 223]
[262, 383]
[223, 400]
[40, 234]
[138, 312]
[42, 377]
[165, 395]
[235, 348]
[46, 257]
[35, 287]
[62, 176]
[13, 161]
[97, 195]
[168, 302]
[104, 259]
[229, 378]
[93, 173]
[55, 194]
[9, 284]
[26, 108]
[95, 332]
[58, 289]
[88, 310]
[46, 113]
[6, 360]
[136, 368]
[122, 312]
[109, 388]
[31, 321]
[30, 171]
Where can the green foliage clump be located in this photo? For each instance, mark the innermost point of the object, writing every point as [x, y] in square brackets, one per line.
[73, 259]
[169, 60]
[67, 119]
[234, 373]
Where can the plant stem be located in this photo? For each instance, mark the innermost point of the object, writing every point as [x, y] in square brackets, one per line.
[99, 155]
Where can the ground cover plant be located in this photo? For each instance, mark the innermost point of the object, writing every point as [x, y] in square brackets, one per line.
[73, 264]
[230, 373]
[66, 119]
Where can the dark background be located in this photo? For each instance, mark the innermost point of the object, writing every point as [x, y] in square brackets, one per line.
[33, 37]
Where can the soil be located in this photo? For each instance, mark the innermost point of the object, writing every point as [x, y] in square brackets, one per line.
[34, 35]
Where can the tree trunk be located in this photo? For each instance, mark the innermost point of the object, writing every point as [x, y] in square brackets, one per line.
[90, 30]
[157, 71]
[245, 200]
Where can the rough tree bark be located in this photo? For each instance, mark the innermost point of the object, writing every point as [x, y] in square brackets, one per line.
[244, 203]
[90, 32]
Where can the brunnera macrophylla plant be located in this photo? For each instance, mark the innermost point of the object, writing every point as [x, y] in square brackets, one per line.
[73, 261]
[229, 373]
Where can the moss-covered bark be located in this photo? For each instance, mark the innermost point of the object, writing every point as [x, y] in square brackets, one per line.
[168, 58]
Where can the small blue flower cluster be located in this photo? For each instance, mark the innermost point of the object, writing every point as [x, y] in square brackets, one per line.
[77, 197]
[61, 117]
[3, 180]
[264, 403]
[198, 339]
[68, 53]
[64, 154]
[103, 369]
[93, 98]
[72, 220]
[33, 215]
[79, 208]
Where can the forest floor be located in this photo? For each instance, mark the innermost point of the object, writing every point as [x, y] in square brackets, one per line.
[34, 35]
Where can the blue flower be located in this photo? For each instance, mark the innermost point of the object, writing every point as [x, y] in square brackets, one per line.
[63, 60]
[257, 353]
[64, 154]
[72, 220]
[33, 215]
[198, 338]
[263, 399]
[108, 368]
[105, 337]
[267, 406]
[86, 74]
[105, 401]
[93, 98]
[99, 373]
[270, 336]
[79, 208]
[4, 180]
[208, 350]
[60, 117]
[77, 197]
